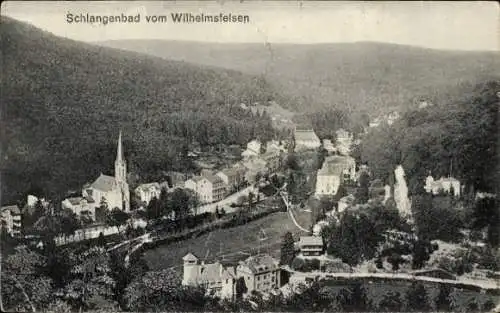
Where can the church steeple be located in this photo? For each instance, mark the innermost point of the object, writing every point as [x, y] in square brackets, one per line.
[120, 165]
[119, 150]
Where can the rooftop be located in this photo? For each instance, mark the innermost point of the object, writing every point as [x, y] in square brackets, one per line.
[310, 241]
[148, 186]
[12, 208]
[75, 200]
[104, 183]
[260, 263]
[190, 257]
[305, 135]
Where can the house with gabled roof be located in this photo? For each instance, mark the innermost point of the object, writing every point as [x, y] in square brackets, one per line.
[306, 139]
[208, 187]
[216, 278]
[257, 273]
[10, 217]
[260, 273]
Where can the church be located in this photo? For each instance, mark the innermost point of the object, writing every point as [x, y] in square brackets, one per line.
[111, 191]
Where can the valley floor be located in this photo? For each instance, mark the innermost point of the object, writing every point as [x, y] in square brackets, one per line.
[231, 244]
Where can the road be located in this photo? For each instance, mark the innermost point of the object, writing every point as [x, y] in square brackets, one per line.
[226, 202]
[401, 276]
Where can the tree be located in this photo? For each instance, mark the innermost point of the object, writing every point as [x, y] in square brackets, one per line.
[117, 218]
[153, 208]
[287, 249]
[362, 192]
[162, 291]
[86, 218]
[91, 284]
[101, 240]
[24, 285]
[395, 260]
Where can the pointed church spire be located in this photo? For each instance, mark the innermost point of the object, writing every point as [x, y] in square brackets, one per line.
[119, 150]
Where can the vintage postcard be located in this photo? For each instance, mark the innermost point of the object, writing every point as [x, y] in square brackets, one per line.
[250, 156]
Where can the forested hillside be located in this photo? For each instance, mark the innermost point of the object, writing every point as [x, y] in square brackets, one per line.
[457, 136]
[64, 103]
[369, 77]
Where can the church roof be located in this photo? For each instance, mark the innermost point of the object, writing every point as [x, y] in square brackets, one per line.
[104, 183]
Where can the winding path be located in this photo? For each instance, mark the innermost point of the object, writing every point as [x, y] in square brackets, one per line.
[289, 209]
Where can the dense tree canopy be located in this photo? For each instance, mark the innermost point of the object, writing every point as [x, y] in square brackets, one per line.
[456, 137]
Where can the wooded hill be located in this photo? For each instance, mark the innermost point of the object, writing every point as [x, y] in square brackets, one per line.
[457, 136]
[64, 103]
[364, 76]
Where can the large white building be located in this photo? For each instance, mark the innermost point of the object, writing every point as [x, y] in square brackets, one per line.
[344, 141]
[10, 217]
[215, 278]
[258, 273]
[444, 184]
[146, 192]
[209, 188]
[112, 191]
[253, 149]
[306, 139]
[334, 171]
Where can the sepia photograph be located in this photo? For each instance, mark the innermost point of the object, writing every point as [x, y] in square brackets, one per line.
[250, 156]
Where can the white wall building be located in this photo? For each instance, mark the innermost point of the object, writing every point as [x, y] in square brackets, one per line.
[111, 190]
[445, 184]
[334, 171]
[209, 188]
[253, 149]
[146, 192]
[10, 217]
[306, 139]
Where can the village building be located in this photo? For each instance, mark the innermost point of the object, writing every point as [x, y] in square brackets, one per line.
[275, 146]
[334, 171]
[311, 246]
[392, 117]
[232, 177]
[80, 205]
[306, 139]
[254, 167]
[260, 273]
[146, 192]
[345, 202]
[444, 184]
[111, 191]
[375, 122]
[11, 219]
[328, 146]
[175, 179]
[253, 149]
[273, 160]
[344, 141]
[209, 188]
[215, 278]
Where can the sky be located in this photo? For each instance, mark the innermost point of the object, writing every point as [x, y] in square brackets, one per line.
[437, 25]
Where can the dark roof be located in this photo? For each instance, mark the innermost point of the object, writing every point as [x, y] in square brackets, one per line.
[104, 183]
[75, 200]
[260, 263]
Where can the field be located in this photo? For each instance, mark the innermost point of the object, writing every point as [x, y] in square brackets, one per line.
[231, 244]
